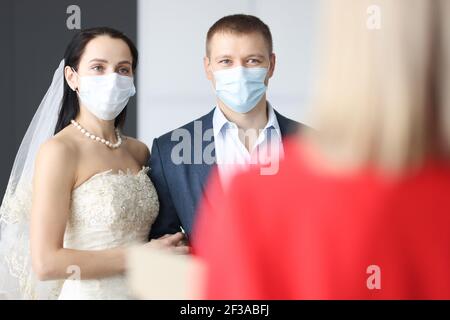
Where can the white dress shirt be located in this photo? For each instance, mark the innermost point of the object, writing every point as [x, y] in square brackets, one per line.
[231, 154]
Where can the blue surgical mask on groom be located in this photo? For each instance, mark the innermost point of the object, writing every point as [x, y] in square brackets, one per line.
[241, 88]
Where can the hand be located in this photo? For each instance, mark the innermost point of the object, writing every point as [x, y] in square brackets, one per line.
[172, 242]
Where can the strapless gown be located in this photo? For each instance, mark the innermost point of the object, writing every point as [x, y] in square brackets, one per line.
[109, 210]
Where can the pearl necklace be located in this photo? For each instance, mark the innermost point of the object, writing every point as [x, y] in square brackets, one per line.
[98, 139]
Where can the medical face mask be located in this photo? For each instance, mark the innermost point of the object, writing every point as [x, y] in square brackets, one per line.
[241, 88]
[106, 96]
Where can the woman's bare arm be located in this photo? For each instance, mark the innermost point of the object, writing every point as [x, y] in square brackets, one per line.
[52, 187]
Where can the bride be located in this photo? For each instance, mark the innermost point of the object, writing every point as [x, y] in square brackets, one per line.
[79, 193]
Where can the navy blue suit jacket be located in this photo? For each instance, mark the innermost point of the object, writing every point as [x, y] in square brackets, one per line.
[180, 187]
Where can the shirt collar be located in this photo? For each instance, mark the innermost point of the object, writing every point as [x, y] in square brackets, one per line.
[220, 121]
[272, 121]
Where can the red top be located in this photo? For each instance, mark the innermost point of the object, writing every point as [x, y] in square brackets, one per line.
[302, 235]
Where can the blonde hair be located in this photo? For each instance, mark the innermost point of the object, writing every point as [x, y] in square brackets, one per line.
[383, 95]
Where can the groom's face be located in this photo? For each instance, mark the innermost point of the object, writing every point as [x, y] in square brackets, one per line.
[230, 50]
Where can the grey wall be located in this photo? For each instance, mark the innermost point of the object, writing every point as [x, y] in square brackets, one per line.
[7, 77]
[33, 38]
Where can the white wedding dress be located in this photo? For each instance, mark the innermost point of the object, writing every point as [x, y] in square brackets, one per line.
[109, 210]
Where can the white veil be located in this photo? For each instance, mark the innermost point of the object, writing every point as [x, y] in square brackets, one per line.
[17, 280]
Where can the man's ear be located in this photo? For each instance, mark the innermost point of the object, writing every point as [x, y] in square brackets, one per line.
[207, 66]
[71, 78]
[273, 62]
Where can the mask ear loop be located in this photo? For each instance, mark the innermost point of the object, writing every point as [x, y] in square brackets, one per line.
[268, 71]
[78, 76]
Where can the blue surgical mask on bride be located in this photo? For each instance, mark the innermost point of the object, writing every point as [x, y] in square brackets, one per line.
[107, 95]
[241, 88]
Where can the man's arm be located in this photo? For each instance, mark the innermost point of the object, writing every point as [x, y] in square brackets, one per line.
[167, 221]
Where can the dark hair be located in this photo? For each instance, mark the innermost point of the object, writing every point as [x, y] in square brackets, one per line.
[240, 24]
[70, 104]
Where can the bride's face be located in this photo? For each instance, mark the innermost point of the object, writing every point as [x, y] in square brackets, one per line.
[102, 55]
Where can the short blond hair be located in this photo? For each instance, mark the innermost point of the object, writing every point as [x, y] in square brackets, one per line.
[383, 95]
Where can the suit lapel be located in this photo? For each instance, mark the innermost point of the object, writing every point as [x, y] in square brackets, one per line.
[201, 171]
[287, 126]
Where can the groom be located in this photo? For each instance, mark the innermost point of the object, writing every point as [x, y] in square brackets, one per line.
[243, 128]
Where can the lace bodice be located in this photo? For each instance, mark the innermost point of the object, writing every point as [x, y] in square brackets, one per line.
[110, 210]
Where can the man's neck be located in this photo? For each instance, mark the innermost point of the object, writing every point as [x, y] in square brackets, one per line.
[249, 124]
[255, 119]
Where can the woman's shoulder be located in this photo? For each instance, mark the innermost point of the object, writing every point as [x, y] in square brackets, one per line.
[64, 142]
[138, 149]
[58, 149]
[56, 162]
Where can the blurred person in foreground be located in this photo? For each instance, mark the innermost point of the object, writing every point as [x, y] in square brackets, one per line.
[361, 208]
